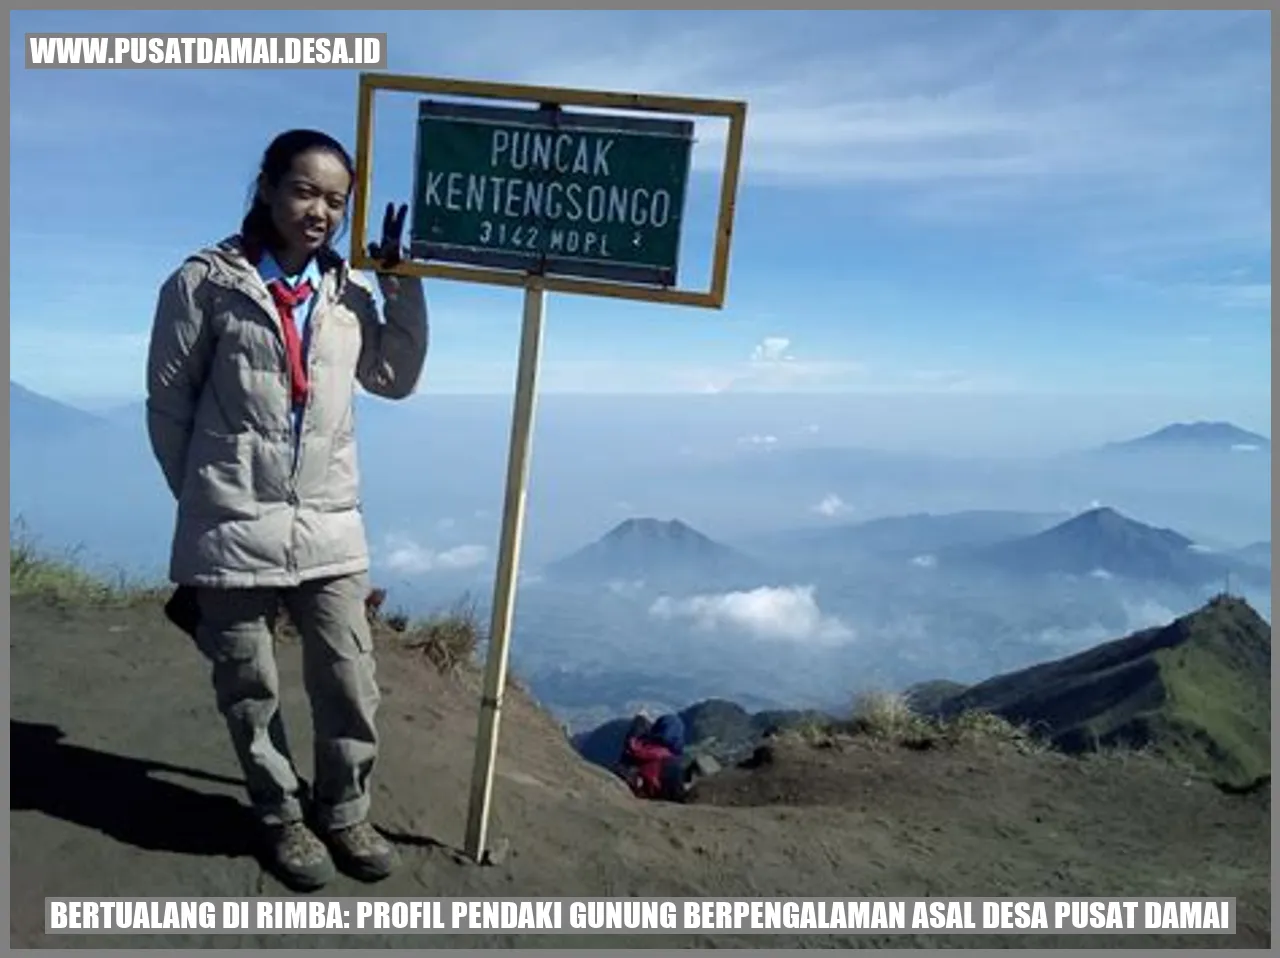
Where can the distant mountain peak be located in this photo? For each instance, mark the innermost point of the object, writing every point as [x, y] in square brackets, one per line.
[1104, 538]
[669, 530]
[33, 416]
[644, 547]
[1102, 515]
[1105, 522]
[1199, 434]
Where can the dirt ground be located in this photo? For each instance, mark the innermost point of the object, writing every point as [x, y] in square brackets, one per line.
[124, 784]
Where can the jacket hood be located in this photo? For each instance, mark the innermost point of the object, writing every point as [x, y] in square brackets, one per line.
[669, 730]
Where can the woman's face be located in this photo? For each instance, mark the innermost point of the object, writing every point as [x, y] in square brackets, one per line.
[308, 203]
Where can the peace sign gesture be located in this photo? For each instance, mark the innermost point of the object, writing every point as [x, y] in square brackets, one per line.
[389, 250]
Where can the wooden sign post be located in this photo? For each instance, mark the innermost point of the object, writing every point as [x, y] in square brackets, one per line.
[551, 200]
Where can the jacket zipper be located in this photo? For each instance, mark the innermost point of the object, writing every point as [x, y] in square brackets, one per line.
[291, 561]
[249, 292]
[311, 330]
[298, 424]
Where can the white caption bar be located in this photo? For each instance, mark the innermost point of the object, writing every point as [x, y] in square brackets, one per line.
[945, 916]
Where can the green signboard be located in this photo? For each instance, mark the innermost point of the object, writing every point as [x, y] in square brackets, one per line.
[551, 192]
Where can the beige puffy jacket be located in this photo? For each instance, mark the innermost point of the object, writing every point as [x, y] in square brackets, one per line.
[218, 413]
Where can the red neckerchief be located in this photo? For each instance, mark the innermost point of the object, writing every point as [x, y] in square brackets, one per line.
[286, 301]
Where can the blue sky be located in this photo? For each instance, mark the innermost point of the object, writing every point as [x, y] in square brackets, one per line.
[1011, 203]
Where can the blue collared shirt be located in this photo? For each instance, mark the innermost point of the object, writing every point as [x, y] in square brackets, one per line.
[270, 270]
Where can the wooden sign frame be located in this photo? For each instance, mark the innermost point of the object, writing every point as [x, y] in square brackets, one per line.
[712, 297]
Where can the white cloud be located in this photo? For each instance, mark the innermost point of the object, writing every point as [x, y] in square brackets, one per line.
[649, 377]
[925, 562]
[758, 440]
[1131, 132]
[1066, 640]
[775, 365]
[406, 556]
[832, 506]
[772, 349]
[626, 588]
[1157, 142]
[1139, 614]
[462, 557]
[772, 366]
[679, 376]
[776, 613]
[1147, 614]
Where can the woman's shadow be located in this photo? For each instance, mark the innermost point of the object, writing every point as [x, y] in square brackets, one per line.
[122, 797]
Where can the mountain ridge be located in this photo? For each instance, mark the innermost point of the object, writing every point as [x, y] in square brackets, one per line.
[912, 534]
[1197, 689]
[35, 416]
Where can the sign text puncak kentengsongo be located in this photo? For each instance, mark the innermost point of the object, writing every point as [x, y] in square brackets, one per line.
[551, 191]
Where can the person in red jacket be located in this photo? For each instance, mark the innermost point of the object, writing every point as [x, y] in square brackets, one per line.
[653, 760]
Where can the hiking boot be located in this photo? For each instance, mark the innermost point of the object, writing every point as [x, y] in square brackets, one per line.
[362, 852]
[299, 857]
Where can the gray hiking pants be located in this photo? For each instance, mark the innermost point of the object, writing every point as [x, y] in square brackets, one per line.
[235, 634]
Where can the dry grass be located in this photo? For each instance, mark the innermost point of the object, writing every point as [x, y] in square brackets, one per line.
[813, 734]
[978, 727]
[447, 639]
[63, 578]
[888, 718]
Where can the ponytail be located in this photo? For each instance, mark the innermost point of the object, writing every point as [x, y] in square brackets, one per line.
[257, 229]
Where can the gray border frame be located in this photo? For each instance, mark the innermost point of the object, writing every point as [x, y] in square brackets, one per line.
[294, 5]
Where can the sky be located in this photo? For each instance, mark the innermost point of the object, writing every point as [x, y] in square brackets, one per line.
[1010, 204]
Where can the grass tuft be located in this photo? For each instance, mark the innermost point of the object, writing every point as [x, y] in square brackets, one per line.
[888, 718]
[62, 578]
[447, 639]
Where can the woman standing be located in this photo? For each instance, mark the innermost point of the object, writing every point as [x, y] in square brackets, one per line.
[257, 346]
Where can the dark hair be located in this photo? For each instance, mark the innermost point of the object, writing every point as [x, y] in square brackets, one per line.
[258, 230]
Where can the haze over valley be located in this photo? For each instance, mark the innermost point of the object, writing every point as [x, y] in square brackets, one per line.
[690, 547]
